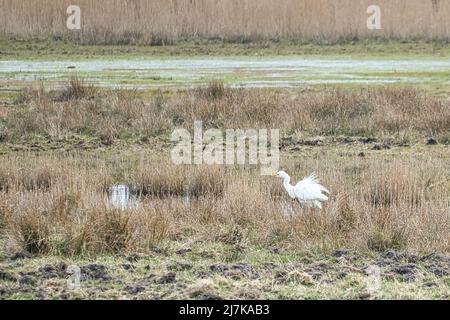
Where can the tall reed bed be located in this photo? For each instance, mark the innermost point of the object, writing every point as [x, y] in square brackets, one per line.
[161, 21]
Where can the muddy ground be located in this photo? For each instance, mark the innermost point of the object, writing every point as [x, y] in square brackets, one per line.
[190, 273]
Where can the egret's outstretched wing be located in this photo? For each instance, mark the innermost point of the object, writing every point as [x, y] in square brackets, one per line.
[309, 190]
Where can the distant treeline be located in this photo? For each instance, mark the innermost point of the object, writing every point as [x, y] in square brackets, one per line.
[165, 21]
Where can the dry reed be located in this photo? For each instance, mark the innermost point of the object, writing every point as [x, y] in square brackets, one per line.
[160, 21]
[382, 112]
[385, 205]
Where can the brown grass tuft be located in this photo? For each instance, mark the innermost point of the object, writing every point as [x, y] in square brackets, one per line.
[347, 217]
[179, 181]
[32, 229]
[215, 90]
[77, 89]
[394, 185]
[114, 232]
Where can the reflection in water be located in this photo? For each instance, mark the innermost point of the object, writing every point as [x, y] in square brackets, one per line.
[122, 197]
[186, 199]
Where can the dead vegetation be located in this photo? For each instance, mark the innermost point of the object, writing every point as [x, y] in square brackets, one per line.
[398, 114]
[140, 21]
[374, 209]
[57, 203]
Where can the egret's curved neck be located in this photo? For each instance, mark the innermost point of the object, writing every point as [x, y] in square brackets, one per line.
[288, 187]
[287, 181]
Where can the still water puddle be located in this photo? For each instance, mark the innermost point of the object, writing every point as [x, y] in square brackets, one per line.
[238, 72]
[123, 197]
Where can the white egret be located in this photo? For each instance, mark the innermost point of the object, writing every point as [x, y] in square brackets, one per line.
[308, 191]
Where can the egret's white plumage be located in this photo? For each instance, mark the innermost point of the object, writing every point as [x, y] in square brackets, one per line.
[309, 192]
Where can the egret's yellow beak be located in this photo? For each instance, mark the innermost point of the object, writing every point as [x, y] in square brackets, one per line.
[274, 173]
